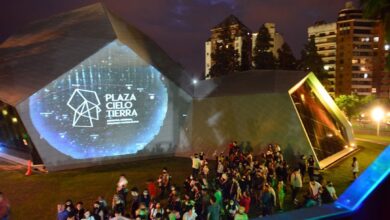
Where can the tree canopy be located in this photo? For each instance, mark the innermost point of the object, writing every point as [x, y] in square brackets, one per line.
[311, 61]
[225, 57]
[286, 59]
[263, 57]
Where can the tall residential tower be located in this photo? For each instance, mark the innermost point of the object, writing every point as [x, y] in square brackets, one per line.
[325, 39]
[358, 51]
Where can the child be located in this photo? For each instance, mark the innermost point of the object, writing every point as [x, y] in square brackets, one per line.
[355, 167]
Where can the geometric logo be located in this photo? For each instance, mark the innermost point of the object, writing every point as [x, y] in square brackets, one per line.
[85, 105]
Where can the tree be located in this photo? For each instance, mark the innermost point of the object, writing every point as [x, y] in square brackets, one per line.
[349, 104]
[286, 60]
[225, 56]
[245, 53]
[263, 57]
[311, 61]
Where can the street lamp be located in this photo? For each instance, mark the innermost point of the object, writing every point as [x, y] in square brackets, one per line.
[377, 114]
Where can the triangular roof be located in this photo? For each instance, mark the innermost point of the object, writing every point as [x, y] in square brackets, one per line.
[230, 21]
[46, 49]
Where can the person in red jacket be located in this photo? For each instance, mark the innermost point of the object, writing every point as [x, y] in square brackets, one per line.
[152, 189]
[4, 207]
[245, 201]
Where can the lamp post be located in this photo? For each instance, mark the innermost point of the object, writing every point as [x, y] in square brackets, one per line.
[377, 114]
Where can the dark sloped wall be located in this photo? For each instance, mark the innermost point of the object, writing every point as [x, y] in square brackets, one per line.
[253, 120]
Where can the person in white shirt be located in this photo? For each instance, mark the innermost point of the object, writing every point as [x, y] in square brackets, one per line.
[118, 216]
[315, 190]
[355, 167]
[195, 165]
[329, 194]
[220, 168]
[122, 182]
[296, 184]
[190, 214]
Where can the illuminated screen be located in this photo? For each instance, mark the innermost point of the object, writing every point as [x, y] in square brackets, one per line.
[112, 103]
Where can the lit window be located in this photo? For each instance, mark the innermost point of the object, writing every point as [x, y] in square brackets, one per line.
[354, 61]
[387, 47]
[363, 68]
[326, 67]
[365, 76]
[376, 39]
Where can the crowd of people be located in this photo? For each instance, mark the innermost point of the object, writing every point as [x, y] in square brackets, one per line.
[240, 183]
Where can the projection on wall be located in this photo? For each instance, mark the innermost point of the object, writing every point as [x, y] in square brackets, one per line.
[113, 103]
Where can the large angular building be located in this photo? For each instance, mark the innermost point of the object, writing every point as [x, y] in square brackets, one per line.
[74, 96]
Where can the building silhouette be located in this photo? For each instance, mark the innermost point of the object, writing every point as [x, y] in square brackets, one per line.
[242, 40]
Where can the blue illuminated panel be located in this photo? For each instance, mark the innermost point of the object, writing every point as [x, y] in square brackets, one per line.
[361, 188]
[112, 103]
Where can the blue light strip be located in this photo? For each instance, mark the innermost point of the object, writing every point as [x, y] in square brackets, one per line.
[362, 187]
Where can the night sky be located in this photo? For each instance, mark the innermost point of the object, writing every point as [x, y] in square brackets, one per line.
[181, 27]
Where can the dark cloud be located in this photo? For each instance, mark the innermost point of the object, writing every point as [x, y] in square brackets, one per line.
[181, 26]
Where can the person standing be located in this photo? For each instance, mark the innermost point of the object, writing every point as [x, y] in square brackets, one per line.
[4, 207]
[79, 211]
[296, 184]
[267, 200]
[241, 215]
[195, 165]
[329, 195]
[315, 190]
[245, 201]
[310, 168]
[281, 194]
[190, 214]
[355, 167]
[214, 210]
[62, 213]
[164, 182]
[302, 166]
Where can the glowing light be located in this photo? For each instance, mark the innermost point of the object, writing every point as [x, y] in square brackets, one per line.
[14, 120]
[53, 120]
[377, 114]
[387, 47]
[326, 67]
[194, 81]
[5, 112]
